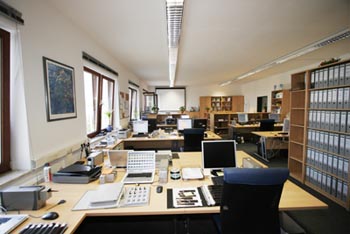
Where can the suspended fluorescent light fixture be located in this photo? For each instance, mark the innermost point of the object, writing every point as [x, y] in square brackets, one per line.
[174, 13]
[317, 45]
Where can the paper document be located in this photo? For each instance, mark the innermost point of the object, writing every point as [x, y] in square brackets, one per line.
[186, 197]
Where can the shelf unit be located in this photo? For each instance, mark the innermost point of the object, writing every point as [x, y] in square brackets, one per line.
[220, 103]
[219, 123]
[319, 147]
[280, 100]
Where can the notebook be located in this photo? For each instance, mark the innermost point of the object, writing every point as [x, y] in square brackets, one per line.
[118, 158]
[140, 167]
[10, 222]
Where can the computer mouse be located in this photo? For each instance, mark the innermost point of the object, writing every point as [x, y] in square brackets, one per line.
[50, 216]
[159, 189]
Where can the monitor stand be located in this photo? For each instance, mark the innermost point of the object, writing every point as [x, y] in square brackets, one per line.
[217, 172]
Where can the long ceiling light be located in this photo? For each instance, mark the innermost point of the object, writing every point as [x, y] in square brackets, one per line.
[317, 45]
[174, 13]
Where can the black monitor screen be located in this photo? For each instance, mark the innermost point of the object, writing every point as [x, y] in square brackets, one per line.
[152, 125]
[218, 154]
[200, 123]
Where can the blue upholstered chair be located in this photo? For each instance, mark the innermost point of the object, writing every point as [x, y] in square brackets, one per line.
[250, 200]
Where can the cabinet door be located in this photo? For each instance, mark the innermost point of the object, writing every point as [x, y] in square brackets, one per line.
[204, 102]
[238, 103]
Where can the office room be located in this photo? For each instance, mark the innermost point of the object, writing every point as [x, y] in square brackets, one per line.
[233, 64]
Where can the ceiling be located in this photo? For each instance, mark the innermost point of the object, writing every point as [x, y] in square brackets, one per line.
[220, 39]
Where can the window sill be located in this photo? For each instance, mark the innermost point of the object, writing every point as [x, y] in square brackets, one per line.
[11, 176]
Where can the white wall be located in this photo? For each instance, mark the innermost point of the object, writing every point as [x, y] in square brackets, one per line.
[47, 33]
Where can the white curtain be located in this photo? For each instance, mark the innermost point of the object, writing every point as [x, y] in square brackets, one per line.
[20, 142]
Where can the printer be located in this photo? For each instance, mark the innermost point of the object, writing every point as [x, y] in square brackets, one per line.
[124, 133]
[24, 197]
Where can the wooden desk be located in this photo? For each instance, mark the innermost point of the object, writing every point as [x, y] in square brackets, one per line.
[271, 141]
[237, 130]
[293, 197]
[167, 141]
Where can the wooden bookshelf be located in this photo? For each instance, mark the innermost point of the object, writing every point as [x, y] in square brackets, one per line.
[280, 100]
[319, 147]
[220, 104]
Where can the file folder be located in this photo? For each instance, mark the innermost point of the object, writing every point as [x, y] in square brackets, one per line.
[347, 74]
[331, 77]
[336, 76]
[340, 98]
[343, 116]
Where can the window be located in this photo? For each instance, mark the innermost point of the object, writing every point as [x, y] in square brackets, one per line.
[133, 103]
[5, 100]
[99, 101]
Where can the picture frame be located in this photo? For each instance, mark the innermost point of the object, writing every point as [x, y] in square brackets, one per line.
[59, 90]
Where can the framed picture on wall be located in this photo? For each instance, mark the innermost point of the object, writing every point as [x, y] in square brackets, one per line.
[59, 90]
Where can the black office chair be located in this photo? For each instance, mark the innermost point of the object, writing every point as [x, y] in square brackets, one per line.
[193, 138]
[267, 125]
[250, 200]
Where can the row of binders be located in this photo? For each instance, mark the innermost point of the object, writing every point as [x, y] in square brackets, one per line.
[337, 121]
[331, 76]
[338, 98]
[330, 184]
[331, 142]
[329, 163]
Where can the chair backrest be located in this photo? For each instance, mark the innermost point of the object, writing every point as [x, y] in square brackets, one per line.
[193, 138]
[250, 200]
[267, 125]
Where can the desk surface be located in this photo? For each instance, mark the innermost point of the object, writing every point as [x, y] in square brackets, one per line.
[293, 197]
[252, 125]
[270, 134]
[167, 136]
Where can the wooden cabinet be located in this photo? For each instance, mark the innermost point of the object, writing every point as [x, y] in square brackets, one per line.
[280, 100]
[319, 149]
[220, 103]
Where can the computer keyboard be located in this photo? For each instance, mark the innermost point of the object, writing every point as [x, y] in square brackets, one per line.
[216, 193]
[218, 180]
[212, 194]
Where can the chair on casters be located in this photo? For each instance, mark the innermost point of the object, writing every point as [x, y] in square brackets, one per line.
[250, 200]
[193, 138]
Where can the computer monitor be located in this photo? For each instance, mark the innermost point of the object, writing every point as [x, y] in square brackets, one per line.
[183, 123]
[200, 123]
[140, 126]
[152, 124]
[242, 118]
[285, 127]
[218, 154]
[275, 116]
